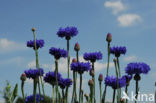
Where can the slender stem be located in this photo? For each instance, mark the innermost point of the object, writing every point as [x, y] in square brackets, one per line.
[91, 94]
[56, 71]
[136, 91]
[73, 94]
[80, 88]
[68, 59]
[100, 91]
[81, 96]
[118, 66]
[114, 91]
[63, 99]
[22, 89]
[108, 58]
[117, 75]
[94, 81]
[126, 91]
[105, 89]
[37, 64]
[34, 92]
[53, 95]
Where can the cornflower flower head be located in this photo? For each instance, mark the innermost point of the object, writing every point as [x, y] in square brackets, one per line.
[39, 44]
[92, 56]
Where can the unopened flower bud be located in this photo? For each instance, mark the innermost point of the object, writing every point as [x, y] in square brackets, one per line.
[100, 78]
[90, 82]
[23, 77]
[109, 37]
[77, 47]
[91, 72]
[115, 60]
[137, 77]
[122, 100]
[74, 60]
[33, 29]
[86, 95]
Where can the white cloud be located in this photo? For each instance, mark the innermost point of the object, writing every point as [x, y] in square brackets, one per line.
[63, 65]
[9, 46]
[126, 20]
[116, 6]
[130, 58]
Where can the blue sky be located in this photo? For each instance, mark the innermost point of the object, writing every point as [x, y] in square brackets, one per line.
[131, 22]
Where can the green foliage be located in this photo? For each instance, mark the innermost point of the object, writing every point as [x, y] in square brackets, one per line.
[9, 95]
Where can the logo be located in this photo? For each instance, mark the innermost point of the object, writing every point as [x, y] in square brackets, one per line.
[142, 97]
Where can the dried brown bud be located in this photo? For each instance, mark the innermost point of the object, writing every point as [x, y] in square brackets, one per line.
[74, 60]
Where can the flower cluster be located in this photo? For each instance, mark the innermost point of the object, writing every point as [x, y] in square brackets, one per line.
[92, 56]
[30, 99]
[67, 82]
[39, 44]
[67, 32]
[112, 82]
[80, 67]
[117, 51]
[50, 78]
[137, 68]
[58, 53]
[34, 73]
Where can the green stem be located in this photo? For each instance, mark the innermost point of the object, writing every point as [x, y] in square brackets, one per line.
[22, 89]
[56, 71]
[118, 66]
[126, 91]
[100, 91]
[118, 92]
[68, 59]
[80, 88]
[114, 91]
[136, 91]
[53, 95]
[105, 89]
[63, 99]
[94, 81]
[37, 64]
[34, 92]
[119, 72]
[91, 94]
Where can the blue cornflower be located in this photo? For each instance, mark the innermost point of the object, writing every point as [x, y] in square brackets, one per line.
[39, 44]
[92, 56]
[67, 82]
[58, 53]
[30, 99]
[137, 68]
[67, 32]
[112, 82]
[80, 67]
[34, 73]
[117, 51]
[50, 77]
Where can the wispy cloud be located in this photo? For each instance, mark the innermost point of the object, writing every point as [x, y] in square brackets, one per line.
[116, 6]
[126, 20]
[15, 60]
[10, 46]
[63, 65]
[130, 58]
